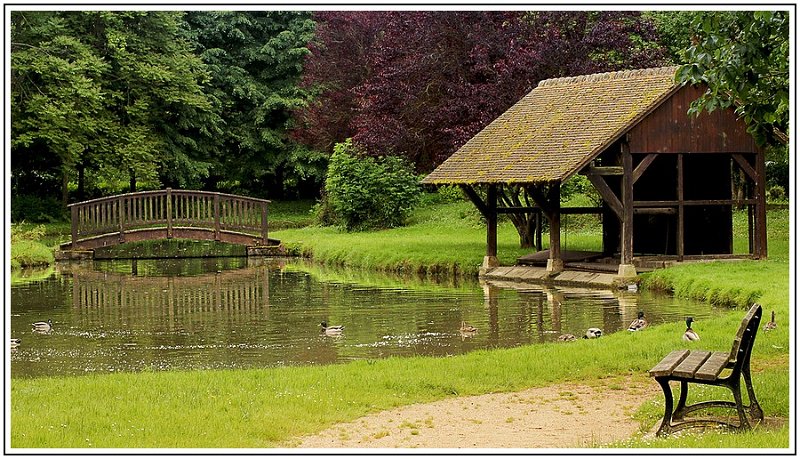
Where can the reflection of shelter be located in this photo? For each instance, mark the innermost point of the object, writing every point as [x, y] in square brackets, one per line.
[665, 178]
[239, 293]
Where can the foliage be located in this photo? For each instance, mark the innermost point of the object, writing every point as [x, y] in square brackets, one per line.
[26, 250]
[419, 84]
[254, 59]
[36, 209]
[365, 192]
[110, 91]
[743, 57]
[674, 32]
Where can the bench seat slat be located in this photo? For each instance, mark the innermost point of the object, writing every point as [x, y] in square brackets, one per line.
[712, 367]
[691, 364]
[668, 363]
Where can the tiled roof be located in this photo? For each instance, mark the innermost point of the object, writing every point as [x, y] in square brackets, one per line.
[557, 128]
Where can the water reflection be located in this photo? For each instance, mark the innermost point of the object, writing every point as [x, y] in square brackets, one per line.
[235, 313]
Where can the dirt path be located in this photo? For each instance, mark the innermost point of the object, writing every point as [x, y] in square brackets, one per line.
[559, 416]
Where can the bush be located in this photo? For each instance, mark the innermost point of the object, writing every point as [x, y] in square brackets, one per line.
[37, 209]
[776, 193]
[363, 192]
[26, 250]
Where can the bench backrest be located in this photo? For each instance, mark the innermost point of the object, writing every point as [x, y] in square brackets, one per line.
[745, 337]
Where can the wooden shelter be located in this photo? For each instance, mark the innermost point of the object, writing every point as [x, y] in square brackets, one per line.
[665, 178]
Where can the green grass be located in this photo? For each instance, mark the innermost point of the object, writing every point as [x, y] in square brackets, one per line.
[271, 407]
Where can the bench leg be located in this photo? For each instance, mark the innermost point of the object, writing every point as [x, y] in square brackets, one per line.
[666, 423]
[680, 410]
[755, 408]
[737, 397]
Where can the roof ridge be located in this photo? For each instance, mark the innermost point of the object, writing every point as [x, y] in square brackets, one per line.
[621, 74]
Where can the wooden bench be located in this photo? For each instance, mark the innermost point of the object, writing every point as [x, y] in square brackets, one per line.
[704, 367]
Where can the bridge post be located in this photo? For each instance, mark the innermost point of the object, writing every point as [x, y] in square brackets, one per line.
[216, 216]
[169, 213]
[74, 217]
[264, 223]
[121, 219]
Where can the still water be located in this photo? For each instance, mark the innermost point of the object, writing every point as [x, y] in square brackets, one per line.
[154, 315]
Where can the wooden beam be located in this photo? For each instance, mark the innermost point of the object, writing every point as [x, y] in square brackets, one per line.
[476, 200]
[602, 170]
[761, 208]
[655, 211]
[491, 221]
[646, 162]
[746, 167]
[517, 210]
[626, 249]
[607, 194]
[540, 199]
[554, 201]
[695, 202]
[680, 234]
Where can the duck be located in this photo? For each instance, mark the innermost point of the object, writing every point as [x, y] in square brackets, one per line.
[689, 334]
[467, 328]
[15, 342]
[771, 325]
[593, 333]
[331, 330]
[639, 323]
[566, 337]
[42, 327]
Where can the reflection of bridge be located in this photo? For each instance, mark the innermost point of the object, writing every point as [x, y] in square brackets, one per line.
[239, 293]
[167, 214]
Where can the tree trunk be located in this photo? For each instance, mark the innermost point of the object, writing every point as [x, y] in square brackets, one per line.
[81, 182]
[64, 186]
[525, 222]
[132, 188]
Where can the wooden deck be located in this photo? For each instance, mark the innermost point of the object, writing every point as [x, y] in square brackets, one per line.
[537, 274]
[569, 256]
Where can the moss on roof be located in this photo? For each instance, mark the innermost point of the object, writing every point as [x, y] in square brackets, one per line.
[557, 128]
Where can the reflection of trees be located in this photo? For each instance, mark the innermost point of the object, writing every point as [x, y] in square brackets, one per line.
[176, 301]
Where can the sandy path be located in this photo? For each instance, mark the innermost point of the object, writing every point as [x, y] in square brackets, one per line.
[559, 416]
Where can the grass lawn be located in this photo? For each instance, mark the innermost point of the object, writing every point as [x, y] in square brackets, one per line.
[268, 407]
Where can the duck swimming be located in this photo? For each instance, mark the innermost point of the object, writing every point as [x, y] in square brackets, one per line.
[467, 328]
[42, 327]
[331, 330]
[689, 334]
[639, 323]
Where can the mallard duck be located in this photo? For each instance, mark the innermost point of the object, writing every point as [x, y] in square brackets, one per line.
[15, 342]
[42, 326]
[332, 330]
[593, 333]
[639, 323]
[690, 335]
[467, 328]
[771, 325]
[566, 337]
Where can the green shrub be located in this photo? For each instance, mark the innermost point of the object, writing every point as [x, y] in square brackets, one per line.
[37, 209]
[363, 192]
[776, 193]
[26, 250]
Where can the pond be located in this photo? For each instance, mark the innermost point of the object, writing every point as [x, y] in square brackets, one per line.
[156, 315]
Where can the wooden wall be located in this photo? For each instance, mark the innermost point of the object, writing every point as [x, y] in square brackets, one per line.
[668, 129]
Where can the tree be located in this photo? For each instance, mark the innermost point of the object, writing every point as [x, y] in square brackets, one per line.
[111, 93]
[743, 57]
[255, 60]
[425, 82]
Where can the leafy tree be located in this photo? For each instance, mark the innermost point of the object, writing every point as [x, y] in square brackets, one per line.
[111, 93]
[420, 84]
[255, 59]
[743, 57]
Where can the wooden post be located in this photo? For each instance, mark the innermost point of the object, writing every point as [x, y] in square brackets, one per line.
[216, 217]
[627, 205]
[554, 264]
[761, 207]
[490, 260]
[74, 212]
[681, 219]
[169, 213]
[264, 239]
[121, 219]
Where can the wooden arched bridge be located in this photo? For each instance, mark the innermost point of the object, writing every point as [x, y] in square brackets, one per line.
[167, 214]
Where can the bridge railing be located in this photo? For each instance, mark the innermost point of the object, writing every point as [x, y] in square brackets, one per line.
[169, 208]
